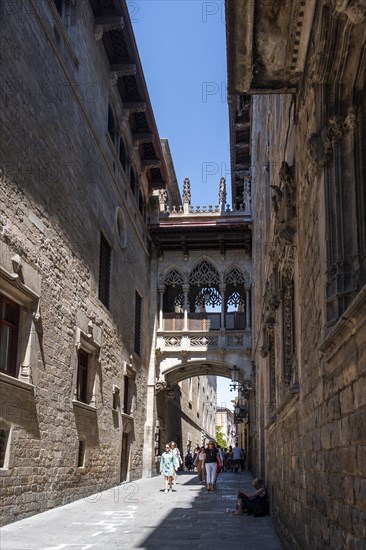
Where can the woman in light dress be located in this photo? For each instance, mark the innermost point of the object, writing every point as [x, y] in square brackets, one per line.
[167, 467]
[178, 460]
[200, 465]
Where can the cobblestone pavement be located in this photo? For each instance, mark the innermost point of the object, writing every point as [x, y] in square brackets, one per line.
[140, 515]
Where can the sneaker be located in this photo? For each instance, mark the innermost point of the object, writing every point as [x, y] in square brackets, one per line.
[170, 490]
[166, 490]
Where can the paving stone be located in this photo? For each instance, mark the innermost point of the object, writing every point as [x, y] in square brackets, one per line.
[157, 520]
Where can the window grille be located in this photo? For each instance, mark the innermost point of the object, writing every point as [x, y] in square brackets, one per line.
[104, 271]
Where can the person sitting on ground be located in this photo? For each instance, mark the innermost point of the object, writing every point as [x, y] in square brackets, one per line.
[247, 503]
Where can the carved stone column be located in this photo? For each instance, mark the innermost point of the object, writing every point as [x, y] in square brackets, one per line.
[248, 312]
[185, 307]
[161, 298]
[222, 320]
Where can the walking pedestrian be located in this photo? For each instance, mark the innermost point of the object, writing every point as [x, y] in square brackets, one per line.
[229, 457]
[219, 463]
[195, 457]
[242, 461]
[200, 465]
[167, 464]
[188, 461]
[236, 458]
[178, 460]
[210, 461]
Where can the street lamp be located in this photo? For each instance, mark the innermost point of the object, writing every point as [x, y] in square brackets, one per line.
[234, 378]
[234, 373]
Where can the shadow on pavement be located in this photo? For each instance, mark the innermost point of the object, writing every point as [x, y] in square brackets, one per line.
[207, 523]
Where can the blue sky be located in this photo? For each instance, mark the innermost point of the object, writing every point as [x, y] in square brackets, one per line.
[182, 46]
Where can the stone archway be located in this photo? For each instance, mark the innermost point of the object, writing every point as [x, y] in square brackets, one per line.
[182, 370]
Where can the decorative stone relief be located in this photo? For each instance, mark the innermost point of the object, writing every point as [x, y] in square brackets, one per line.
[195, 341]
[163, 199]
[186, 191]
[160, 385]
[354, 9]
[172, 341]
[247, 194]
[222, 194]
[235, 340]
[169, 393]
[272, 370]
[320, 145]
[271, 303]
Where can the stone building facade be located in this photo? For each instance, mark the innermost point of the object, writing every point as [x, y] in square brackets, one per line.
[225, 419]
[81, 169]
[302, 98]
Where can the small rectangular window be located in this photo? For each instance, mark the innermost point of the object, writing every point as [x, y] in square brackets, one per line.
[126, 400]
[82, 376]
[81, 454]
[104, 270]
[9, 326]
[138, 319]
[4, 436]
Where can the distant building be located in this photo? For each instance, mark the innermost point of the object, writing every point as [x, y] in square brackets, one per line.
[225, 420]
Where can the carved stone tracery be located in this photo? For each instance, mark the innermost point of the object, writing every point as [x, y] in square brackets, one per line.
[235, 277]
[173, 278]
[204, 274]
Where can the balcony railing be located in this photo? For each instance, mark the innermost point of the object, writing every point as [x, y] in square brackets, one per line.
[203, 321]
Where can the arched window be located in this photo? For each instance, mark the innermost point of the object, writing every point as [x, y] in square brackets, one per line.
[173, 295]
[235, 299]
